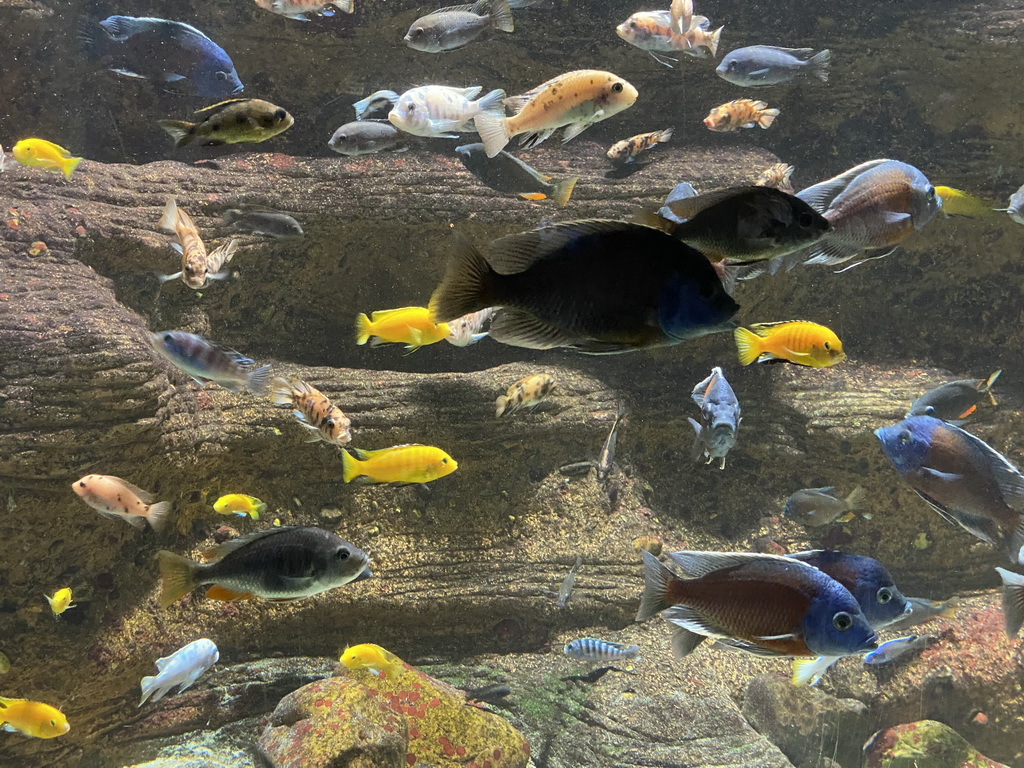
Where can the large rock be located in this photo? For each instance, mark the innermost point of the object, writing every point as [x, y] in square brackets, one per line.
[923, 743]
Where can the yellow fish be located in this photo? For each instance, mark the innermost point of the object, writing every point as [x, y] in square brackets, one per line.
[369, 656]
[411, 326]
[402, 465]
[60, 601]
[239, 504]
[796, 341]
[956, 202]
[39, 153]
[31, 718]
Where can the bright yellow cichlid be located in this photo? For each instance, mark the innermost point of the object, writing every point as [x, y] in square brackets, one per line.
[40, 153]
[32, 718]
[239, 504]
[411, 326]
[795, 341]
[956, 202]
[401, 465]
[371, 657]
[60, 601]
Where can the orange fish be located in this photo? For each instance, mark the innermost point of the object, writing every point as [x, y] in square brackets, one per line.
[741, 113]
[795, 341]
[658, 32]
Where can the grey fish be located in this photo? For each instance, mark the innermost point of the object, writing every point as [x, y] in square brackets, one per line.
[720, 418]
[606, 460]
[565, 591]
[285, 563]
[448, 28]
[956, 401]
[1016, 208]
[267, 223]
[1013, 600]
[592, 649]
[891, 650]
[818, 506]
[378, 101]
[367, 137]
[768, 65]
[206, 361]
[923, 610]
[506, 173]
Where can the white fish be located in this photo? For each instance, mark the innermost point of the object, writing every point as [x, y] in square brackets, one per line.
[891, 650]
[376, 101]
[443, 112]
[1016, 209]
[297, 9]
[468, 329]
[180, 669]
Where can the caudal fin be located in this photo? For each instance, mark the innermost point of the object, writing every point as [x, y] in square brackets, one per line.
[179, 130]
[364, 329]
[68, 166]
[158, 515]
[767, 117]
[1013, 600]
[493, 130]
[349, 466]
[281, 391]
[748, 344]
[501, 16]
[855, 501]
[346, 6]
[657, 582]
[819, 64]
[177, 577]
[466, 286]
[986, 386]
[713, 41]
[258, 381]
[562, 191]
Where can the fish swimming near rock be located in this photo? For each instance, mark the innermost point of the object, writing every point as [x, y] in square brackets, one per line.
[266, 223]
[324, 420]
[399, 465]
[367, 137]
[777, 175]
[720, 418]
[893, 650]
[506, 173]
[180, 670]
[448, 28]
[300, 10]
[923, 610]
[198, 266]
[206, 361]
[741, 113]
[235, 121]
[626, 151]
[411, 326]
[32, 718]
[568, 285]
[956, 401]
[606, 459]
[819, 506]
[39, 153]
[528, 392]
[593, 650]
[60, 601]
[469, 329]
[759, 65]
[961, 477]
[116, 498]
[284, 563]
[440, 111]
[565, 591]
[371, 657]
[793, 341]
[239, 504]
[1013, 600]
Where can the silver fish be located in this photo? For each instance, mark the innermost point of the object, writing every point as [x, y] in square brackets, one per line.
[378, 101]
[594, 650]
[367, 137]
[1013, 600]
[181, 669]
[1016, 209]
[606, 460]
[3, 158]
[297, 9]
[205, 361]
[448, 28]
[720, 418]
[267, 223]
[769, 65]
[565, 591]
[923, 610]
[818, 506]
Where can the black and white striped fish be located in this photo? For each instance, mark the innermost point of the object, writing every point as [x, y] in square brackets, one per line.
[592, 649]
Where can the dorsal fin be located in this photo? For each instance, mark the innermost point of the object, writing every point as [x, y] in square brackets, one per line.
[218, 105]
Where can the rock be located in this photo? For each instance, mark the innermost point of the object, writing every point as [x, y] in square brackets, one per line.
[925, 742]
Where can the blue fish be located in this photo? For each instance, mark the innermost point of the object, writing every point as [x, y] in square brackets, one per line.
[166, 52]
[205, 361]
[758, 65]
[891, 650]
[961, 477]
[720, 418]
[592, 649]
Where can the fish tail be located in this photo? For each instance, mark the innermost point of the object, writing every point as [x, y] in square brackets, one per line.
[158, 515]
[819, 64]
[493, 130]
[698, 445]
[68, 165]
[148, 685]
[258, 381]
[766, 118]
[664, 136]
[179, 130]
[632, 652]
[949, 610]
[855, 501]
[562, 191]
[986, 386]
[258, 510]
[657, 583]
[281, 391]
[169, 219]
[466, 286]
[177, 577]
[500, 406]
[1013, 600]
[501, 16]
[345, 6]
[350, 468]
[713, 41]
[748, 344]
[364, 329]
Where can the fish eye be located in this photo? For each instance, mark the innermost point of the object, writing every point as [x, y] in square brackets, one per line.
[931, 193]
[222, 76]
[633, 25]
[828, 346]
[168, 338]
[280, 114]
[342, 554]
[733, 66]
[444, 461]
[329, 423]
[805, 219]
[884, 595]
[842, 621]
[617, 88]
[410, 108]
[82, 483]
[904, 438]
[53, 722]
[417, 32]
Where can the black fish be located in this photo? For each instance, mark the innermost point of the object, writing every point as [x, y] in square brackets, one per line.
[955, 401]
[505, 173]
[267, 223]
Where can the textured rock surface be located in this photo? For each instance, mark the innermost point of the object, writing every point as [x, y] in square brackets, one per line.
[923, 743]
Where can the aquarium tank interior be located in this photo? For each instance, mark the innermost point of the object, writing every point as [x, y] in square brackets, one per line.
[552, 383]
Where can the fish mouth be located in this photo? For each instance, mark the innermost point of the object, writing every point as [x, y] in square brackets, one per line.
[871, 644]
[365, 574]
[239, 89]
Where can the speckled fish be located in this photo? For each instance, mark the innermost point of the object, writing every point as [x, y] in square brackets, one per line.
[411, 326]
[956, 401]
[197, 266]
[285, 563]
[741, 113]
[1013, 600]
[720, 418]
[923, 610]
[961, 477]
[442, 112]
[240, 504]
[116, 498]
[792, 341]
[575, 101]
[180, 670]
[596, 651]
[779, 176]
[893, 650]
[266, 223]
[565, 591]
[656, 33]
[301, 9]
[399, 465]
[367, 137]
[235, 121]
[606, 459]
[762, 604]
[449, 28]
[759, 65]
[324, 420]
[32, 718]
[205, 361]
[506, 173]
[378, 101]
[3, 158]
[528, 392]
[468, 329]
[1016, 208]
[625, 151]
[819, 506]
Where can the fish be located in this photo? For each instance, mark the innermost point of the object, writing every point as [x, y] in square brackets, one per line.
[681, 14]
[625, 151]
[378, 101]
[652, 544]
[197, 266]
[116, 498]
[923, 610]
[235, 121]
[239, 504]
[60, 601]
[266, 223]
[891, 650]
[180, 670]
[818, 506]
[32, 718]
[449, 28]
[367, 137]
[565, 591]
[528, 392]
[1015, 210]
[5, 664]
[3, 158]
[324, 420]
[767, 605]
[566, 285]
[792, 341]
[399, 465]
[759, 65]
[575, 101]
[956, 202]
[956, 401]
[370, 657]
[299, 9]
[440, 111]
[658, 33]
[606, 459]
[411, 326]
[39, 153]
[170, 53]
[741, 113]
[283, 563]
[593, 650]
[961, 477]
[205, 361]
[506, 173]
[546, 5]
[720, 418]
[468, 329]
[1013, 600]
[779, 176]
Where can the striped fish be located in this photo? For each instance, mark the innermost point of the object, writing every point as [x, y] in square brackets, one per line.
[592, 649]
[624, 151]
[205, 361]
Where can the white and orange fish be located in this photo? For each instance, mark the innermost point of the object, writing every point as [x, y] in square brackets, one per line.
[778, 176]
[622, 152]
[314, 410]
[113, 497]
[657, 33]
[741, 113]
[297, 9]
[197, 266]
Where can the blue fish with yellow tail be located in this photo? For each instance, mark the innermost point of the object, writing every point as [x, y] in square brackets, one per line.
[720, 418]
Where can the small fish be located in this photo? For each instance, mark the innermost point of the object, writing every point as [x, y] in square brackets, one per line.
[575, 100]
[367, 137]
[449, 28]
[116, 498]
[768, 65]
[961, 477]
[658, 33]
[32, 718]
[891, 650]
[956, 401]
[239, 504]
[197, 266]
[235, 121]
[566, 285]
[956, 202]
[506, 173]
[166, 52]
[3, 158]
[720, 418]
[818, 506]
[625, 151]
[652, 544]
[370, 657]
[411, 326]
[400, 465]
[378, 101]
[324, 420]
[794, 341]
[181, 669]
[266, 223]
[442, 112]
[594, 650]
[205, 361]
[39, 153]
[565, 591]
[12, 505]
[778, 176]
[298, 9]
[5, 664]
[528, 392]
[741, 113]
[61, 601]
[468, 329]
[283, 563]
[923, 610]
[1016, 207]
[1013, 600]
[606, 460]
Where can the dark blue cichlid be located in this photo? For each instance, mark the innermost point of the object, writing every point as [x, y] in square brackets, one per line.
[720, 418]
[963, 478]
[162, 51]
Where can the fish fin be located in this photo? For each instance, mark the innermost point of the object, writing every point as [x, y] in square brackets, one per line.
[1007, 477]
[148, 685]
[714, 41]
[179, 130]
[820, 195]
[691, 619]
[945, 477]
[501, 406]
[220, 104]
[531, 140]
[855, 501]
[501, 15]
[170, 216]
[467, 285]
[177, 577]
[68, 165]
[158, 514]
[281, 393]
[225, 253]
[533, 196]
[167, 278]
[830, 250]
[657, 582]
[515, 104]
[766, 118]
[521, 328]
[177, 247]
[810, 671]
[225, 595]
[961, 418]
[562, 191]
[128, 73]
[493, 130]
[665, 61]
[1013, 600]
[1017, 543]
[220, 551]
[664, 135]
[685, 642]
[258, 381]
[345, 6]
[758, 72]
[697, 452]
[698, 564]
[819, 64]
[979, 526]
[748, 345]
[986, 386]
[350, 466]
[895, 217]
[735, 644]
[364, 329]
[574, 130]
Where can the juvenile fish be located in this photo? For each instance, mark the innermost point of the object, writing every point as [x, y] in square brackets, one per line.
[606, 460]
[818, 506]
[324, 420]
[197, 266]
[60, 601]
[298, 9]
[367, 137]
[594, 650]
[205, 361]
[448, 28]
[266, 223]
[32, 718]
[1013, 600]
[528, 392]
[768, 65]
[506, 173]
[565, 591]
[3, 158]
[239, 504]
[720, 418]
[741, 113]
[399, 465]
[625, 151]
[468, 329]
[378, 101]
[794, 341]
[39, 153]
[923, 610]
[181, 669]
[956, 401]
[778, 176]
[956, 202]
[235, 121]
[116, 498]
[442, 112]
[892, 650]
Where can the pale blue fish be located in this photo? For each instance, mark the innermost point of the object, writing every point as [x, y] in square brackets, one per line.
[205, 361]
[181, 669]
[891, 650]
[594, 650]
[758, 65]
[720, 418]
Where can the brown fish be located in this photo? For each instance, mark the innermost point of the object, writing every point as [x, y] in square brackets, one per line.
[314, 411]
[741, 113]
[626, 150]
[197, 266]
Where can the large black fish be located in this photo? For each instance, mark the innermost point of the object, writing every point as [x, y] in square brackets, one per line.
[506, 173]
[956, 401]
